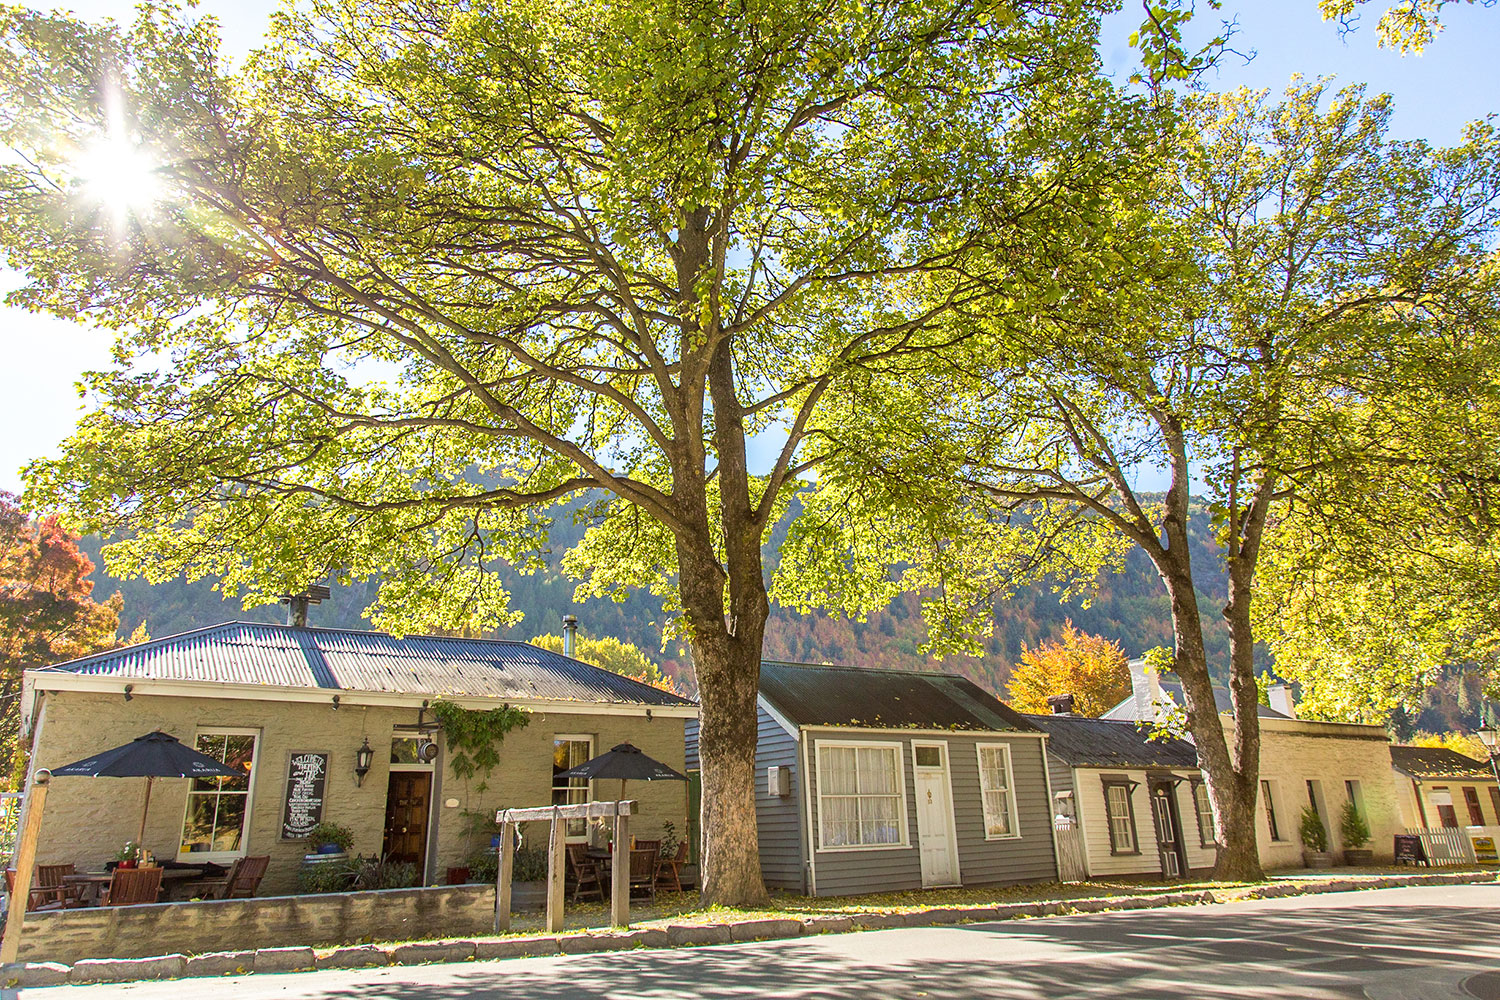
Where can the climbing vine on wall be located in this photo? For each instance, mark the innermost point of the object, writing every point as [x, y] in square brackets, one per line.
[473, 736]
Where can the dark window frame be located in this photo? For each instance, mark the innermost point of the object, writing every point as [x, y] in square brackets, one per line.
[1471, 799]
[1205, 835]
[1121, 781]
[1268, 805]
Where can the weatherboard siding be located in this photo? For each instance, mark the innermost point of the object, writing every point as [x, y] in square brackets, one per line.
[778, 819]
[981, 862]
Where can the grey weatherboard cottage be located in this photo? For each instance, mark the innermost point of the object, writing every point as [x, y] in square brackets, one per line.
[918, 779]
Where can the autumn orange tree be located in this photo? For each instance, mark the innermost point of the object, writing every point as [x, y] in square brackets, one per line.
[47, 613]
[1090, 667]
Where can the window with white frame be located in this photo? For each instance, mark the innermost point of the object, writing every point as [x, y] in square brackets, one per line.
[1204, 808]
[860, 793]
[997, 787]
[1121, 815]
[1268, 802]
[568, 751]
[218, 809]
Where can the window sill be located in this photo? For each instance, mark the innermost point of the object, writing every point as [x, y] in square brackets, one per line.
[1124, 854]
[1002, 836]
[863, 847]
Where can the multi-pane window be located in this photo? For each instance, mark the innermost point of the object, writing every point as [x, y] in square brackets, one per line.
[567, 753]
[859, 795]
[1204, 807]
[1121, 818]
[218, 808]
[1268, 802]
[997, 787]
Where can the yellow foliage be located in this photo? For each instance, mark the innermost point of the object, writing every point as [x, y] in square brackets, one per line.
[1091, 668]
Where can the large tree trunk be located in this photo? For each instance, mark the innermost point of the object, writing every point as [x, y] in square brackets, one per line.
[1231, 780]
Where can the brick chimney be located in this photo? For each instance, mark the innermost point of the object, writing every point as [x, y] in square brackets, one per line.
[1282, 699]
[1061, 704]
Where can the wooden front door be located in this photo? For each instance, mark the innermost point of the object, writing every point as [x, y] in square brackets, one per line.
[1168, 830]
[408, 803]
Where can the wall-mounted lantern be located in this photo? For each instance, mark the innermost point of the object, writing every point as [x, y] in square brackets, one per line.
[363, 758]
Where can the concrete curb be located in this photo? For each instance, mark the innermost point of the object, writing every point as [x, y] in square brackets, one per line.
[98, 970]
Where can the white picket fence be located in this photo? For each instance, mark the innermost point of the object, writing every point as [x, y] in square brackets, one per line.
[1072, 856]
[1453, 845]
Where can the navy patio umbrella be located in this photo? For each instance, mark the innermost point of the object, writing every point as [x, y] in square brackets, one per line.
[627, 763]
[155, 755]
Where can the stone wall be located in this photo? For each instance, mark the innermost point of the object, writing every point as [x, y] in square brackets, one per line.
[88, 819]
[268, 922]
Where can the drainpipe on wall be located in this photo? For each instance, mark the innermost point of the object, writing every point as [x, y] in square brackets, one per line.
[570, 634]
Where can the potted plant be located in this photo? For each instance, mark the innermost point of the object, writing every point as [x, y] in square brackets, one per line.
[330, 838]
[128, 856]
[1356, 834]
[1314, 840]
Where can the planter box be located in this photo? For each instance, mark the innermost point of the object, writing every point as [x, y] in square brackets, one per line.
[528, 897]
[1359, 857]
[1317, 859]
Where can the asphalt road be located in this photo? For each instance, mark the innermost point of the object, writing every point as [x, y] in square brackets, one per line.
[1438, 943]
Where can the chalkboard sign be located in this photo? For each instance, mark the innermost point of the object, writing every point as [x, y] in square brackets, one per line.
[1409, 850]
[305, 774]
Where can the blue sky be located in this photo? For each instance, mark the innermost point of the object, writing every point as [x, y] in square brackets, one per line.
[1435, 94]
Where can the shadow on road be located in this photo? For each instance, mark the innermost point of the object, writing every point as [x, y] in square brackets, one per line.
[1186, 953]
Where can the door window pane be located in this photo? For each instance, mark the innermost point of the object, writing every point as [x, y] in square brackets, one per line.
[567, 753]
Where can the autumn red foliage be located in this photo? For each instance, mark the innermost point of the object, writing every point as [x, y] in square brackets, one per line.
[47, 612]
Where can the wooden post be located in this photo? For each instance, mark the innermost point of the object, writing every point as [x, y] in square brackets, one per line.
[557, 861]
[619, 888]
[31, 829]
[503, 875]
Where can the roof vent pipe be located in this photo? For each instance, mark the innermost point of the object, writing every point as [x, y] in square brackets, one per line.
[570, 634]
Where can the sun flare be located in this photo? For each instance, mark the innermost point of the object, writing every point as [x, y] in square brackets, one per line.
[119, 176]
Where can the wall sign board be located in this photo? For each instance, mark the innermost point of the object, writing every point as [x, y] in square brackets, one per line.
[305, 776]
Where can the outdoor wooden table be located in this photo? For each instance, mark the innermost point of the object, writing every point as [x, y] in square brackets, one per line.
[94, 883]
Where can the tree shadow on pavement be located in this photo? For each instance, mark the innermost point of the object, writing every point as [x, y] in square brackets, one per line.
[1194, 952]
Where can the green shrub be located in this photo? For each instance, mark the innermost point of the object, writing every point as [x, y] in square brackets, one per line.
[1352, 827]
[1314, 834]
[325, 876]
[382, 873]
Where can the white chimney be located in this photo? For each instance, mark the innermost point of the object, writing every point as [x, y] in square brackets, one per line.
[1145, 689]
[1282, 700]
[570, 634]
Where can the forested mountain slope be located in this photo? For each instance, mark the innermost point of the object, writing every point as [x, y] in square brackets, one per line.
[1130, 607]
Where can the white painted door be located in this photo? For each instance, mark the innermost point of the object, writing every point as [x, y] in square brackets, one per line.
[934, 815]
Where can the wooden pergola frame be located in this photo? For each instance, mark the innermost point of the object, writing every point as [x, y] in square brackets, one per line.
[620, 811]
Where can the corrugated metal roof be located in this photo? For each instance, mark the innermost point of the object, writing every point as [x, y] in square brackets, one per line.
[1105, 743]
[1134, 708]
[348, 660]
[883, 699]
[1438, 762]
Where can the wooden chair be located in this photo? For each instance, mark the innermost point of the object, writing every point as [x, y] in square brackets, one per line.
[669, 870]
[133, 886]
[647, 845]
[51, 877]
[587, 878]
[241, 882]
[39, 898]
[643, 871]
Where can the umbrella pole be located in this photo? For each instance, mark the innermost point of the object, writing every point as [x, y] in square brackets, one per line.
[140, 838]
